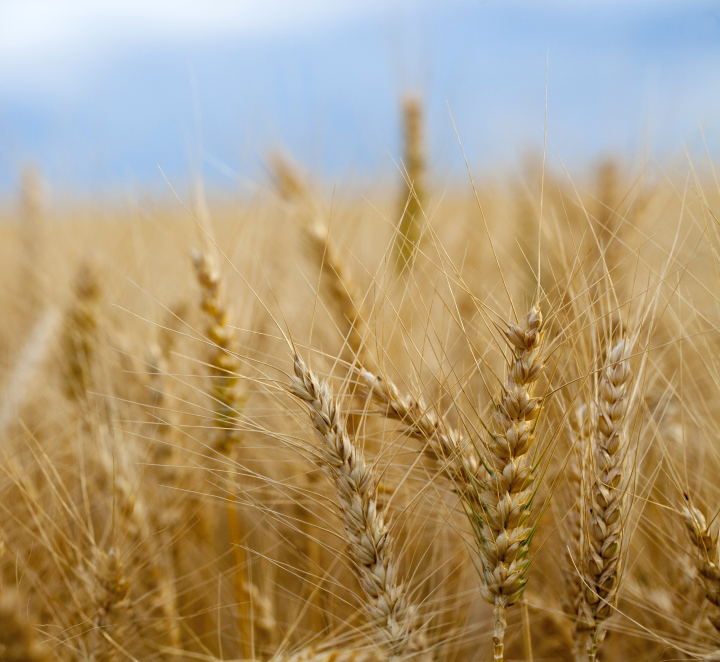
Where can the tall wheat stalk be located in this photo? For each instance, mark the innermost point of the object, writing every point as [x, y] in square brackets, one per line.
[502, 526]
[412, 219]
[605, 509]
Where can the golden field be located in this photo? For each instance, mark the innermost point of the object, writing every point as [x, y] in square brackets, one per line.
[165, 494]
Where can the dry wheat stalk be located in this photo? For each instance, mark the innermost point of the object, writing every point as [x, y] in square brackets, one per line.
[81, 326]
[443, 443]
[368, 536]
[575, 525]
[707, 558]
[411, 222]
[224, 364]
[342, 289]
[17, 637]
[502, 527]
[337, 280]
[604, 545]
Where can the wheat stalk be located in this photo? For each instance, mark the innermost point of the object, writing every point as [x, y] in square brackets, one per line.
[605, 517]
[411, 221]
[369, 539]
[224, 364]
[575, 525]
[501, 526]
[442, 442]
[707, 558]
[81, 326]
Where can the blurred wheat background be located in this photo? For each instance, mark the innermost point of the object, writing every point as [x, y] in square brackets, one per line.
[399, 355]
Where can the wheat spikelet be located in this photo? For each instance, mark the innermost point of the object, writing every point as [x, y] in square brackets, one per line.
[17, 637]
[411, 221]
[704, 541]
[443, 443]
[224, 364]
[501, 526]
[368, 536]
[604, 545]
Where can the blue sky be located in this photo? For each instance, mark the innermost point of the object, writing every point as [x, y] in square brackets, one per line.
[97, 95]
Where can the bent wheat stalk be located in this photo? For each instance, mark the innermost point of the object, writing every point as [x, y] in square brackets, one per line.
[442, 443]
[368, 536]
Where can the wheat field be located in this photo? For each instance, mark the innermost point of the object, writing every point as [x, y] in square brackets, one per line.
[404, 424]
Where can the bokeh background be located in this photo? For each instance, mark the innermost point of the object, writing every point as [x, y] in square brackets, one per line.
[97, 95]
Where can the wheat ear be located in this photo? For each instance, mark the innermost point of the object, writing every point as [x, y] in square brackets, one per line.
[224, 364]
[342, 289]
[605, 516]
[81, 327]
[442, 443]
[502, 527]
[707, 558]
[575, 525]
[369, 539]
[411, 222]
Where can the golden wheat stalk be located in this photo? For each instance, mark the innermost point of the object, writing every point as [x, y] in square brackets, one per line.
[224, 364]
[605, 514]
[442, 443]
[412, 219]
[81, 327]
[575, 524]
[502, 527]
[706, 552]
[368, 536]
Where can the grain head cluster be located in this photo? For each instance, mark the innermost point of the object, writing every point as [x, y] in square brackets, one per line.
[454, 425]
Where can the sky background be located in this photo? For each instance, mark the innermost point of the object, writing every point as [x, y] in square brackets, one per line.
[98, 94]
